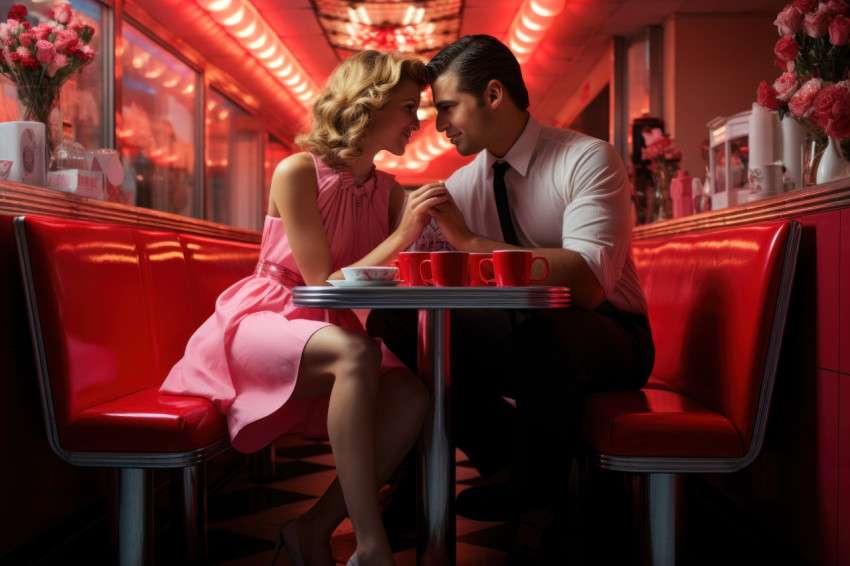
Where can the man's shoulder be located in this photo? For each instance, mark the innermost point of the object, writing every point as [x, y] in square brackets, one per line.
[569, 139]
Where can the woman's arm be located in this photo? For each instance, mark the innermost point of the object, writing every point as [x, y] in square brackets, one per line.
[408, 215]
[293, 197]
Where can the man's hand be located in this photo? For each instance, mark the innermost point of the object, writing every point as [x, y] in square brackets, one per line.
[451, 222]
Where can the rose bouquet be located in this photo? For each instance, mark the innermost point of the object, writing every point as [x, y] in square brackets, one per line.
[813, 53]
[39, 59]
[664, 161]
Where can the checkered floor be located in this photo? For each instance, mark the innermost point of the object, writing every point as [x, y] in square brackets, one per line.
[246, 510]
[244, 516]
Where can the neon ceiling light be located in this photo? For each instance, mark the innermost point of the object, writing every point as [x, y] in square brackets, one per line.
[242, 21]
[530, 24]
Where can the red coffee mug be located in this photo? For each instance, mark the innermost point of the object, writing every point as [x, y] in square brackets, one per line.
[512, 268]
[475, 277]
[409, 267]
[446, 269]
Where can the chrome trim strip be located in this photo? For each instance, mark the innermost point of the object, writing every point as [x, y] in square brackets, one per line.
[431, 297]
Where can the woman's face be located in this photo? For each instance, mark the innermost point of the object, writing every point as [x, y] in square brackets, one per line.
[393, 124]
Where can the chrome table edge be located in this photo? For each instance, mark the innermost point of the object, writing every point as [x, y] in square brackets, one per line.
[431, 297]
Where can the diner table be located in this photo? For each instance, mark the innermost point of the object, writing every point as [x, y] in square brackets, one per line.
[436, 462]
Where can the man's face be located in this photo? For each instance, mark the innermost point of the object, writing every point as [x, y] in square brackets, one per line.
[461, 115]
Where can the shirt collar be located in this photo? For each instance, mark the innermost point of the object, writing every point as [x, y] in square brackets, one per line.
[519, 156]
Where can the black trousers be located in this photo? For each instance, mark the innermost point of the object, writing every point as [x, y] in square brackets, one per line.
[546, 360]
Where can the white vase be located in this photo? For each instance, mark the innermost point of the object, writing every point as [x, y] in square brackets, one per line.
[793, 144]
[833, 165]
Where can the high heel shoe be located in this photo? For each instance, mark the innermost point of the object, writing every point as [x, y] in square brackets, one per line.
[288, 538]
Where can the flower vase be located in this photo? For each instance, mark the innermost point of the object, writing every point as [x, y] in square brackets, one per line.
[793, 150]
[42, 104]
[662, 202]
[833, 165]
[812, 153]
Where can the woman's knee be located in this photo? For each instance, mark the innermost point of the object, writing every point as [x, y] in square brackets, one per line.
[357, 354]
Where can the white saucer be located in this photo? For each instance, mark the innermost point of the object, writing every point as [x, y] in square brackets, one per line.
[344, 283]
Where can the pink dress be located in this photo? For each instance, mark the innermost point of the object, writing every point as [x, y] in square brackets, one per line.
[245, 357]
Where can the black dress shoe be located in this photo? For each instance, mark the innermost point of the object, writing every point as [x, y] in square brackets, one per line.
[499, 502]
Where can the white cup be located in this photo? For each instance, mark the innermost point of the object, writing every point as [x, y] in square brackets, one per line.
[766, 179]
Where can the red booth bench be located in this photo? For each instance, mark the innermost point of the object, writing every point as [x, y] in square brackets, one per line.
[111, 308]
[717, 305]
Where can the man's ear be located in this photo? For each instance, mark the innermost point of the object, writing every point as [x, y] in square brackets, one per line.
[494, 93]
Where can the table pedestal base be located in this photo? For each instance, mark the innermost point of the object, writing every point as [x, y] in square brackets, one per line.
[436, 456]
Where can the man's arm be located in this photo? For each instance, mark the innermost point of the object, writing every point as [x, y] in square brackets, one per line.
[566, 268]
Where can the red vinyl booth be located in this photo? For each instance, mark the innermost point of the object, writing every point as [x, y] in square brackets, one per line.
[717, 305]
[111, 308]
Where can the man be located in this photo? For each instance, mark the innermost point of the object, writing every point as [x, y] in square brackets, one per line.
[569, 201]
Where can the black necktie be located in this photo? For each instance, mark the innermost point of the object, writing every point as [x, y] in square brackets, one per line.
[501, 194]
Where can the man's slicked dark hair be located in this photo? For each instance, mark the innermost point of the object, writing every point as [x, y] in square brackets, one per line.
[476, 60]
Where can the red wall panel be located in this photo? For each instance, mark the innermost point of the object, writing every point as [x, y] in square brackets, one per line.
[817, 272]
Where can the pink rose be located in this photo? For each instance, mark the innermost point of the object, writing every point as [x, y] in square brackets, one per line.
[839, 30]
[789, 21]
[800, 104]
[805, 5]
[44, 51]
[25, 39]
[61, 12]
[786, 48]
[65, 40]
[42, 31]
[831, 110]
[4, 31]
[785, 86]
[816, 24]
[59, 61]
[767, 96]
[76, 24]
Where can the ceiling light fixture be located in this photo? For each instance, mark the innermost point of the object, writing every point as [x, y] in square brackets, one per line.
[242, 21]
[413, 26]
[530, 24]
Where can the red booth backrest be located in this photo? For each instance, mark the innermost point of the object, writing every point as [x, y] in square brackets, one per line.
[708, 316]
[125, 304]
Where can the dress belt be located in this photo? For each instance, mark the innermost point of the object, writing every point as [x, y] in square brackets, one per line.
[279, 274]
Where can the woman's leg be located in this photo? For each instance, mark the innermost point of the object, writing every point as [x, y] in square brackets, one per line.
[372, 422]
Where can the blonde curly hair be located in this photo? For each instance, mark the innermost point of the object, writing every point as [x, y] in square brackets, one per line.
[342, 112]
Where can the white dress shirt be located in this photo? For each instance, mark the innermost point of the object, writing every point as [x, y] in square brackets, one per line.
[565, 189]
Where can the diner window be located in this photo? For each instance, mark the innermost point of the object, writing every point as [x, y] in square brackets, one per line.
[82, 96]
[235, 186]
[157, 125]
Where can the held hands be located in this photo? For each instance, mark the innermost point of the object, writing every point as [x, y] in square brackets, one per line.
[452, 223]
[417, 209]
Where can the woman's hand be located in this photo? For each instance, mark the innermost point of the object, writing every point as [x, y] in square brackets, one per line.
[416, 213]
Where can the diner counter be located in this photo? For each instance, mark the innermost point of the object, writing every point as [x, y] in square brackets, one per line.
[798, 490]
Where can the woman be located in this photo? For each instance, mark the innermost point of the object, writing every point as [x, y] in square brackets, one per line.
[259, 355]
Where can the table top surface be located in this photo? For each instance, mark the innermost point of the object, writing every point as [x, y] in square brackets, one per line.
[532, 297]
